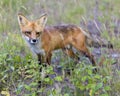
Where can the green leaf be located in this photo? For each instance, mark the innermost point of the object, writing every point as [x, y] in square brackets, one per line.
[27, 87]
[104, 94]
[34, 94]
[33, 84]
[66, 94]
[58, 78]
[91, 86]
[84, 78]
[107, 88]
[97, 76]
[47, 79]
[98, 86]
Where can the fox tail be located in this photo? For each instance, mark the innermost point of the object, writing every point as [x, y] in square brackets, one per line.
[96, 43]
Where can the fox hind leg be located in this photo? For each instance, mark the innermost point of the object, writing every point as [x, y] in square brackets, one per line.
[70, 53]
[48, 58]
[82, 48]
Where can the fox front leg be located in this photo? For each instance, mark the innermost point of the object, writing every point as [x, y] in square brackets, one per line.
[41, 61]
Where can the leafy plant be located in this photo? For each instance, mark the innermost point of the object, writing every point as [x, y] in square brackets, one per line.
[88, 83]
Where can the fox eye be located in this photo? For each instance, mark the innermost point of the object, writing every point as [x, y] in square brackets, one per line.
[27, 32]
[38, 33]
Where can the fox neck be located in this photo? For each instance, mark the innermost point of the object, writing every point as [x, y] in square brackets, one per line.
[36, 48]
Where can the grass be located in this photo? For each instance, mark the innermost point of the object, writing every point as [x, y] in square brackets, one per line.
[19, 71]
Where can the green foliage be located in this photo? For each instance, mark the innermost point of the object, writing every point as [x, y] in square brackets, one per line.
[88, 83]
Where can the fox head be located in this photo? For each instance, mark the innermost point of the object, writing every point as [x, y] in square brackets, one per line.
[32, 30]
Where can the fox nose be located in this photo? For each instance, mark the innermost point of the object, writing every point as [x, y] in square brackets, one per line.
[34, 41]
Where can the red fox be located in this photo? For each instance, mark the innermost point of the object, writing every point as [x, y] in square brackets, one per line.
[43, 40]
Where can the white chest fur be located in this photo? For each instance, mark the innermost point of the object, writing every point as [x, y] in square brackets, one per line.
[37, 49]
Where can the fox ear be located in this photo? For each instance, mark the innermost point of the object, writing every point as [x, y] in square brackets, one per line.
[42, 21]
[22, 20]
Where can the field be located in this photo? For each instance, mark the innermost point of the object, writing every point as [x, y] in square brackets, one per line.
[19, 70]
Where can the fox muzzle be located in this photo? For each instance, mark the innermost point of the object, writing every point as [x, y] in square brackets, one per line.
[33, 41]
